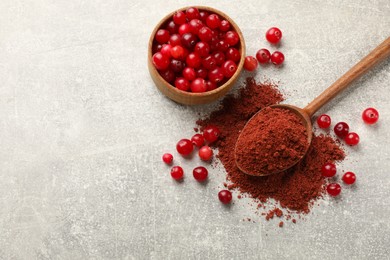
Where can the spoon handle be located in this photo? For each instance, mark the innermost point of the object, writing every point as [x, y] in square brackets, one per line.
[377, 55]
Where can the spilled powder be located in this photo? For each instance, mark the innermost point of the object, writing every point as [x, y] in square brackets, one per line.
[295, 189]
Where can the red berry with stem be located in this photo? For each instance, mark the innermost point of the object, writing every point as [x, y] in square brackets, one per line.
[328, 170]
[198, 85]
[205, 153]
[209, 62]
[349, 178]
[200, 173]
[160, 61]
[162, 36]
[273, 35]
[182, 84]
[168, 75]
[225, 196]
[324, 121]
[233, 54]
[352, 139]
[192, 13]
[213, 21]
[263, 56]
[232, 38]
[189, 74]
[224, 26]
[177, 172]
[341, 129]
[202, 48]
[277, 58]
[210, 85]
[216, 75]
[197, 140]
[167, 158]
[193, 60]
[229, 68]
[333, 189]
[250, 63]
[175, 39]
[205, 34]
[184, 147]
[370, 116]
[211, 133]
[219, 57]
[179, 18]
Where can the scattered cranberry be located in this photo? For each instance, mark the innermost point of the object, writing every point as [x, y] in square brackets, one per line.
[370, 116]
[184, 147]
[182, 84]
[160, 61]
[341, 129]
[333, 189]
[205, 153]
[198, 85]
[250, 63]
[349, 178]
[277, 58]
[167, 158]
[177, 172]
[225, 196]
[323, 121]
[263, 56]
[352, 139]
[273, 35]
[197, 140]
[200, 173]
[211, 133]
[328, 170]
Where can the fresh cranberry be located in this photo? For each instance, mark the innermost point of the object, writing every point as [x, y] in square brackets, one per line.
[328, 170]
[198, 85]
[273, 35]
[175, 40]
[166, 50]
[162, 36]
[189, 40]
[177, 66]
[200, 173]
[333, 189]
[210, 85]
[182, 84]
[172, 27]
[179, 18]
[349, 178]
[177, 52]
[277, 58]
[202, 48]
[189, 74]
[192, 13]
[205, 34]
[232, 38]
[211, 133]
[222, 45]
[225, 196]
[193, 60]
[205, 153]
[219, 57]
[177, 172]
[209, 62]
[216, 75]
[370, 116]
[214, 43]
[341, 129]
[195, 25]
[233, 54]
[184, 147]
[167, 158]
[224, 26]
[324, 121]
[160, 61]
[213, 21]
[184, 28]
[197, 140]
[156, 48]
[352, 139]
[263, 56]
[229, 68]
[168, 76]
[203, 16]
[250, 63]
[201, 73]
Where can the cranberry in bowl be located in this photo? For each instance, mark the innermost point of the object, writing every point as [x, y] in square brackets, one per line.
[192, 55]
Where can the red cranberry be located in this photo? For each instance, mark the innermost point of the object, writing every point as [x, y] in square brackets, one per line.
[273, 35]
[341, 129]
[232, 38]
[197, 140]
[184, 147]
[162, 36]
[203, 16]
[211, 133]
[205, 34]
[172, 27]
[177, 66]
[167, 158]
[193, 60]
[263, 56]
[189, 74]
[201, 73]
[179, 18]
[200, 173]
[324, 121]
[250, 63]
[370, 116]
[352, 139]
[182, 84]
[328, 170]
[175, 40]
[184, 28]
[233, 54]
[210, 85]
[333, 189]
[213, 21]
[160, 61]
[349, 178]
[209, 62]
[202, 48]
[219, 57]
[156, 48]
[216, 75]
[192, 13]
[189, 40]
[277, 58]
[198, 85]
[224, 26]
[205, 153]
[166, 50]
[168, 76]
[195, 25]
[229, 68]
[225, 196]
[177, 172]
[222, 45]
[177, 52]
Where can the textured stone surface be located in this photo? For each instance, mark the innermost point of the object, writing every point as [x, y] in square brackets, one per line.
[83, 129]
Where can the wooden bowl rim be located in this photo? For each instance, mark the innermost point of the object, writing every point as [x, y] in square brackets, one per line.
[218, 89]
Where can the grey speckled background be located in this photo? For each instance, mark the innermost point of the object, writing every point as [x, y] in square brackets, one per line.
[82, 130]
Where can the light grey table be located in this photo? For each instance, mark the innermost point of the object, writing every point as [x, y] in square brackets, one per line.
[83, 128]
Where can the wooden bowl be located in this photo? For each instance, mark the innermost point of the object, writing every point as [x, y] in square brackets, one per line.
[189, 98]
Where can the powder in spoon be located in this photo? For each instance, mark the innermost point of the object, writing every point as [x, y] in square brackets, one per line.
[273, 140]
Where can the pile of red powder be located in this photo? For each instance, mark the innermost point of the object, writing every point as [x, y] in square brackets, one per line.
[294, 189]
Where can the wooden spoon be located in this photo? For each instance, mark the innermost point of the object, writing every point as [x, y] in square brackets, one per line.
[377, 55]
